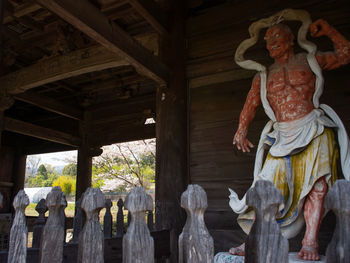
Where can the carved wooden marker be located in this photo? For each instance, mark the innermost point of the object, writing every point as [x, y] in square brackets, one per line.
[107, 220]
[51, 248]
[338, 199]
[138, 245]
[19, 231]
[91, 240]
[195, 243]
[79, 220]
[39, 224]
[265, 242]
[120, 218]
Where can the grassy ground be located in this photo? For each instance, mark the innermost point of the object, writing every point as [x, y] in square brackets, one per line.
[69, 211]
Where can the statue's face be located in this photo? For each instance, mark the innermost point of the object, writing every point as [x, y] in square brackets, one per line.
[279, 40]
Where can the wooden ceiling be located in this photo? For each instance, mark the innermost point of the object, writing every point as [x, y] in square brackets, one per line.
[63, 60]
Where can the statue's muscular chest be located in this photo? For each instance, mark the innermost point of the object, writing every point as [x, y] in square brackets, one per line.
[295, 76]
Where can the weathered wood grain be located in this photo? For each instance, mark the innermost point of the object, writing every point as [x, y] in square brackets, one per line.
[265, 242]
[195, 243]
[52, 240]
[338, 200]
[88, 19]
[19, 230]
[107, 220]
[152, 12]
[39, 224]
[79, 221]
[51, 104]
[36, 131]
[61, 67]
[120, 218]
[91, 240]
[138, 245]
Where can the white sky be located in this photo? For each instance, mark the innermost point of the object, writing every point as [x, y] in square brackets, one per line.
[58, 158]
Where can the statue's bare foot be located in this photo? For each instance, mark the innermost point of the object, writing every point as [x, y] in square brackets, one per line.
[309, 253]
[239, 251]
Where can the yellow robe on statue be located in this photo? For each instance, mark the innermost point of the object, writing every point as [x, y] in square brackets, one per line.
[295, 175]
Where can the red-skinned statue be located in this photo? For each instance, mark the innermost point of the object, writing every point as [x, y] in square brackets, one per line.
[303, 152]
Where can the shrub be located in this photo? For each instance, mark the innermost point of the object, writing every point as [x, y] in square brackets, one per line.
[67, 184]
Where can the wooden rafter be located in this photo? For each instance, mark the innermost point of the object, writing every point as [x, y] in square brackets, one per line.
[21, 10]
[50, 104]
[39, 132]
[61, 67]
[152, 12]
[125, 134]
[91, 21]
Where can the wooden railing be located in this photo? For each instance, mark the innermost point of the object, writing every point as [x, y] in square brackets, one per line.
[265, 242]
[85, 224]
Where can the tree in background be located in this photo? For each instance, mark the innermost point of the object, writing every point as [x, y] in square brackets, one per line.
[44, 177]
[42, 171]
[70, 169]
[32, 164]
[132, 163]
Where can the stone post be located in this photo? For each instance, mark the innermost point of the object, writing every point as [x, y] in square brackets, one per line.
[195, 243]
[51, 247]
[107, 220]
[265, 242]
[338, 200]
[91, 240]
[19, 231]
[39, 224]
[138, 245]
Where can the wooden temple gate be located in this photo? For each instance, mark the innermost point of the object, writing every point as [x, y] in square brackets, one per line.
[88, 73]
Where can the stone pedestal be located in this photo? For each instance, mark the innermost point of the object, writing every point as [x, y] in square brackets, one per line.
[293, 258]
[225, 257]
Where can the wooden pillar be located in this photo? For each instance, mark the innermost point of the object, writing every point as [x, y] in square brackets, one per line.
[5, 100]
[84, 168]
[85, 154]
[171, 129]
[19, 171]
[2, 8]
[84, 171]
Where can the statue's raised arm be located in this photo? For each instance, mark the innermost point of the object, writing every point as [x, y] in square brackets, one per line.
[341, 54]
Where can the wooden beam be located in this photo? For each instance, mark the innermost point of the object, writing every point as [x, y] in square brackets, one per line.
[124, 134]
[39, 132]
[50, 104]
[91, 21]
[21, 10]
[56, 68]
[151, 11]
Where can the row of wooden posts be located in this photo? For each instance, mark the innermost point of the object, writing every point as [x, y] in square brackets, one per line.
[264, 243]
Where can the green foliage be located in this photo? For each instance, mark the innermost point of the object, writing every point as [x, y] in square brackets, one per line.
[67, 184]
[42, 171]
[44, 177]
[70, 169]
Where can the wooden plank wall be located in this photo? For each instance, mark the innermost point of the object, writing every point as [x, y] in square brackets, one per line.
[218, 87]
